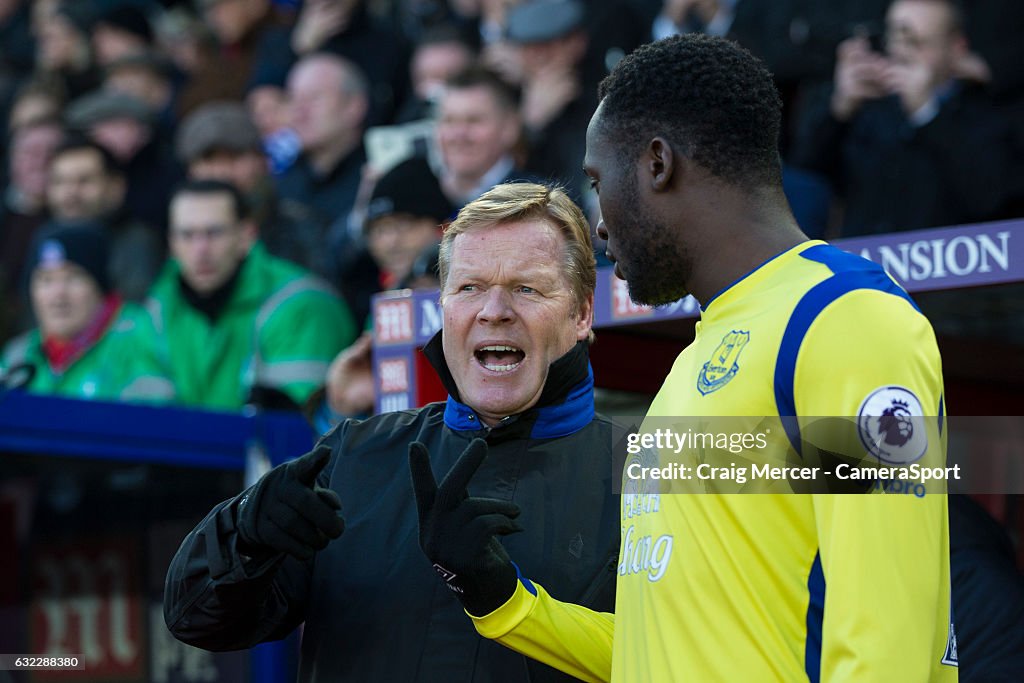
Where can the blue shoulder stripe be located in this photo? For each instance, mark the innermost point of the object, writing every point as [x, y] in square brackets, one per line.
[849, 273]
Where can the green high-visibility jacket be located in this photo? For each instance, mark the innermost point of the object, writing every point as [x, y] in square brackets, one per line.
[280, 329]
[120, 366]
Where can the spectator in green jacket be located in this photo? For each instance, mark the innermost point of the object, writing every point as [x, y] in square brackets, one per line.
[236, 325]
[88, 344]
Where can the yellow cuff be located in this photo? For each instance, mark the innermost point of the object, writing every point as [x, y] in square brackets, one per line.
[509, 615]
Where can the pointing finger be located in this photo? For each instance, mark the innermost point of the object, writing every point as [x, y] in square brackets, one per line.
[453, 488]
[308, 466]
[424, 485]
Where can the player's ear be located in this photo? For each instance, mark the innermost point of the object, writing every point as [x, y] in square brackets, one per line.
[660, 163]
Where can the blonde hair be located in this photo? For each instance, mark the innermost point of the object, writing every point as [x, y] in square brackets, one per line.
[513, 202]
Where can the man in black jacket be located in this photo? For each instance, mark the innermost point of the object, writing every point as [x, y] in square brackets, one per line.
[907, 143]
[988, 595]
[518, 279]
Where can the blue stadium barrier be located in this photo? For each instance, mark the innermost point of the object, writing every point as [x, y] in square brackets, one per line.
[166, 467]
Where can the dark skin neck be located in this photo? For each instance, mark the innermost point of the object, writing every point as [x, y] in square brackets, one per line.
[733, 231]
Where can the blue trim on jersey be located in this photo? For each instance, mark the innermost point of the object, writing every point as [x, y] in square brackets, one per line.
[527, 584]
[942, 412]
[553, 421]
[843, 263]
[850, 273]
[815, 619]
[743, 277]
[951, 655]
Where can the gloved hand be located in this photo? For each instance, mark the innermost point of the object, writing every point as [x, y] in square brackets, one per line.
[287, 512]
[459, 534]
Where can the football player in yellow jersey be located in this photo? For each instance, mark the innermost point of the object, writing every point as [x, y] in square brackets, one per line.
[739, 587]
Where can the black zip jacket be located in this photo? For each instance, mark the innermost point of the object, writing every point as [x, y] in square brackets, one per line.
[374, 609]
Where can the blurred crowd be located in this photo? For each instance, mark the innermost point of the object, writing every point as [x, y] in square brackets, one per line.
[201, 196]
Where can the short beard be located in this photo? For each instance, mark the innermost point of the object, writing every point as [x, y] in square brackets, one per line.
[658, 265]
[660, 277]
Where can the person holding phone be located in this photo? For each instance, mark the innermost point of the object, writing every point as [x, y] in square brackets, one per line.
[906, 142]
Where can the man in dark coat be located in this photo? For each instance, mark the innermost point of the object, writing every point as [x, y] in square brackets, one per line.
[513, 355]
[904, 141]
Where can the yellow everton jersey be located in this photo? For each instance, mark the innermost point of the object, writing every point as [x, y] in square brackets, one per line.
[778, 587]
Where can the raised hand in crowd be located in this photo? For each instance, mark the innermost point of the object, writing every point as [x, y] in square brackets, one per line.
[972, 67]
[318, 21]
[860, 76]
[923, 49]
[503, 58]
[914, 82]
[550, 91]
[350, 389]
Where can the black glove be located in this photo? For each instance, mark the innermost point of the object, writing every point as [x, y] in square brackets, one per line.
[287, 513]
[458, 533]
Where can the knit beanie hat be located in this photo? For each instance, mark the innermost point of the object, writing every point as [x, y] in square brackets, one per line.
[84, 245]
[409, 188]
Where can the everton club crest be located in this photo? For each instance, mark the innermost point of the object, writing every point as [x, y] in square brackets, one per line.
[723, 365]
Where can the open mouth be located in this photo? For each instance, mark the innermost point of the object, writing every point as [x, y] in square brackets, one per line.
[499, 357]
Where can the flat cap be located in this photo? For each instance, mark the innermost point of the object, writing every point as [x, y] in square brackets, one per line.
[537, 21]
[103, 105]
[217, 126]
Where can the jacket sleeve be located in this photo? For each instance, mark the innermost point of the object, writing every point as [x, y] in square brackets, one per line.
[568, 637]
[217, 599]
[970, 144]
[299, 339]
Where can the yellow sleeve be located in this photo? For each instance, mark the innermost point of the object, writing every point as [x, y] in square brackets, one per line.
[884, 558]
[863, 341]
[885, 566]
[568, 637]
